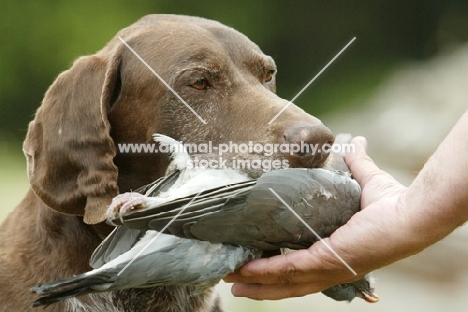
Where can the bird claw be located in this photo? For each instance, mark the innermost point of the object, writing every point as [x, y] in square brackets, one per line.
[124, 203]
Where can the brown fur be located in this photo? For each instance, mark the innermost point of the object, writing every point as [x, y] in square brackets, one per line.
[109, 98]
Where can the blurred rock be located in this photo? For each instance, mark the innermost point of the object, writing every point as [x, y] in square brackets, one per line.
[411, 113]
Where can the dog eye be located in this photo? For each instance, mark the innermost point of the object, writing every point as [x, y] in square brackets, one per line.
[201, 84]
[269, 75]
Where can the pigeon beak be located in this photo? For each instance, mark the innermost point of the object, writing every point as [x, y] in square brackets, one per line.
[370, 296]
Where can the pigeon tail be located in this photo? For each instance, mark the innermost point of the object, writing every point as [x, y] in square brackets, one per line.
[71, 287]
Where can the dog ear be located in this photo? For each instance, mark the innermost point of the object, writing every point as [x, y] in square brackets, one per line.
[68, 146]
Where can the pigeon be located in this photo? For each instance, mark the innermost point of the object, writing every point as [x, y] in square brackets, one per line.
[196, 225]
[252, 213]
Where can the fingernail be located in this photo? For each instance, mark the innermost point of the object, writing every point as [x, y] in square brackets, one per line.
[360, 141]
[235, 290]
[245, 290]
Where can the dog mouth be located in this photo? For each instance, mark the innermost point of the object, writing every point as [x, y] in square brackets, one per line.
[255, 165]
[256, 158]
[308, 160]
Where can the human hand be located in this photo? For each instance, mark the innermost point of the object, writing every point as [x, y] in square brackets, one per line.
[374, 237]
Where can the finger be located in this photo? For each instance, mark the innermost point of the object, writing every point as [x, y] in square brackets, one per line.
[294, 267]
[273, 270]
[300, 266]
[275, 291]
[361, 165]
[274, 266]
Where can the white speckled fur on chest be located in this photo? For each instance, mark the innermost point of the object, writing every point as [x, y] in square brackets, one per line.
[181, 302]
[98, 302]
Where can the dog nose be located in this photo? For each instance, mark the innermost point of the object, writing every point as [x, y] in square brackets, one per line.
[309, 145]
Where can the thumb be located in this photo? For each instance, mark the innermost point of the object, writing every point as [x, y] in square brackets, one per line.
[361, 165]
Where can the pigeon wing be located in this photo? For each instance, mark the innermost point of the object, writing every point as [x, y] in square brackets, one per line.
[257, 214]
[322, 199]
[118, 242]
[209, 201]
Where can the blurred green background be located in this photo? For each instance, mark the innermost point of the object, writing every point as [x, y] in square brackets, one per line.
[42, 38]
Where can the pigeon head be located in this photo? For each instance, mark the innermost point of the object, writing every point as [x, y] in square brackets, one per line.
[360, 288]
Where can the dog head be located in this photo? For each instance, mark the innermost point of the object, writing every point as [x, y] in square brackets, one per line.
[193, 79]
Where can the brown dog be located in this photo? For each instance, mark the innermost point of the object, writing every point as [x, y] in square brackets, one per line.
[111, 97]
